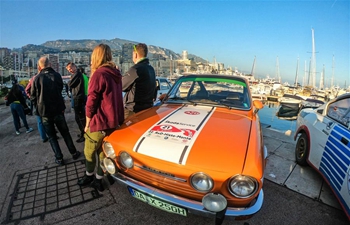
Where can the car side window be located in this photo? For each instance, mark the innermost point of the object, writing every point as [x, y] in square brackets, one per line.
[340, 111]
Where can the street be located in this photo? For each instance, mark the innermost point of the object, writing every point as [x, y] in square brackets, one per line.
[25, 153]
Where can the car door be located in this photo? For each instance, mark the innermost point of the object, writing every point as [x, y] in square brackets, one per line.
[334, 161]
[319, 129]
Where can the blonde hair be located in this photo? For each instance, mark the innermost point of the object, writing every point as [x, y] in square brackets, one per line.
[101, 56]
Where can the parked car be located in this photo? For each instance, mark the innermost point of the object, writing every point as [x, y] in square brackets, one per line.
[163, 85]
[201, 151]
[323, 136]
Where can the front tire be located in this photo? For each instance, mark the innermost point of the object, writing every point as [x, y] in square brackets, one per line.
[302, 150]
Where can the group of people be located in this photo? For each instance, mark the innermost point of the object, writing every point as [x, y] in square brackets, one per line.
[99, 106]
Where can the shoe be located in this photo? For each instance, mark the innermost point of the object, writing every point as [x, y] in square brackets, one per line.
[85, 180]
[76, 155]
[29, 130]
[81, 139]
[97, 184]
[45, 140]
[110, 179]
[59, 162]
[17, 132]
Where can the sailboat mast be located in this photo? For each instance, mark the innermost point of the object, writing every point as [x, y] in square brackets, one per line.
[305, 74]
[313, 60]
[322, 80]
[296, 74]
[309, 76]
[253, 68]
[332, 73]
[278, 71]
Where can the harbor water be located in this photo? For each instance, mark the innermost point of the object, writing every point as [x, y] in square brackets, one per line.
[268, 118]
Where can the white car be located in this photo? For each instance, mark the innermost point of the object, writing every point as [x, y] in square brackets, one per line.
[163, 85]
[323, 136]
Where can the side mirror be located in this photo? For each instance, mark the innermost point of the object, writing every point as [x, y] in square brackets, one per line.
[258, 105]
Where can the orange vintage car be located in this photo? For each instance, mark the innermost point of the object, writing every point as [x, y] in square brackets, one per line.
[200, 151]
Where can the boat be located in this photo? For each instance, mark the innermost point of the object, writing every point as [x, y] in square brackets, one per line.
[290, 106]
[260, 97]
[311, 103]
[272, 98]
[291, 100]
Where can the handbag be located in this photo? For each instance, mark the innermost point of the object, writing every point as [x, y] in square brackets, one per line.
[27, 111]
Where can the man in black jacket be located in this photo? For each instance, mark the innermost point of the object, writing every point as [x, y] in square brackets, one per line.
[46, 94]
[76, 85]
[139, 82]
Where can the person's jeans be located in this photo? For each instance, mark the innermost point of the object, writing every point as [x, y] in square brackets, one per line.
[18, 112]
[61, 124]
[41, 128]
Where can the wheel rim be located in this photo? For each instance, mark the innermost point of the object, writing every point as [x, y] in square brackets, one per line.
[301, 148]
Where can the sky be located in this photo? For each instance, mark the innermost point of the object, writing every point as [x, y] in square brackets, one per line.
[277, 34]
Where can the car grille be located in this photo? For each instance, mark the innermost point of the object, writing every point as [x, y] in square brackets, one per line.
[164, 181]
[161, 173]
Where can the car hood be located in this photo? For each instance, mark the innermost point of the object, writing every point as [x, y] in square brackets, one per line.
[197, 136]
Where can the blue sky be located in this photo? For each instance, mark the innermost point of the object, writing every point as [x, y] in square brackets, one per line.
[234, 32]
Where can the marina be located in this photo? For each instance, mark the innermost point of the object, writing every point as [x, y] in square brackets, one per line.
[269, 119]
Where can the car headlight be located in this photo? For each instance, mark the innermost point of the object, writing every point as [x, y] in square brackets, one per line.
[214, 202]
[109, 165]
[202, 182]
[126, 160]
[109, 150]
[242, 186]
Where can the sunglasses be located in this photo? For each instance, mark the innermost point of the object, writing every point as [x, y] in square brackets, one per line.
[135, 48]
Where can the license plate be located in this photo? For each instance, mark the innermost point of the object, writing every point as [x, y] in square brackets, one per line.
[157, 203]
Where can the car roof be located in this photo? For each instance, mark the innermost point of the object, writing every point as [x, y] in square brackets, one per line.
[219, 76]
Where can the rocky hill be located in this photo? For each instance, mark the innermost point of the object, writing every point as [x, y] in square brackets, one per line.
[88, 44]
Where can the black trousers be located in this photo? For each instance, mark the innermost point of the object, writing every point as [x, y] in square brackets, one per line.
[61, 124]
[79, 111]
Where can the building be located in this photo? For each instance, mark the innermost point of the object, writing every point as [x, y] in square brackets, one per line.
[54, 61]
[127, 50]
[3, 52]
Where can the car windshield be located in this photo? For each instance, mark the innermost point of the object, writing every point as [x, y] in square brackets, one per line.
[216, 91]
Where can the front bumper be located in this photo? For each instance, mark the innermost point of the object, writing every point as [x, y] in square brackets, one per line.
[193, 207]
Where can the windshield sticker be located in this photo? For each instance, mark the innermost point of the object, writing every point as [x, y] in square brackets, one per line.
[177, 135]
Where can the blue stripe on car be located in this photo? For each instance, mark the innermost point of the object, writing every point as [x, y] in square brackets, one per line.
[335, 161]
[327, 170]
[336, 150]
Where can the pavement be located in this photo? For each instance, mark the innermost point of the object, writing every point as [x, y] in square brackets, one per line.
[283, 170]
[34, 190]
